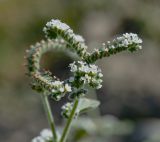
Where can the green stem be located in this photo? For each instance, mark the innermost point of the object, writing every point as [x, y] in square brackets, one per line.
[68, 125]
[49, 116]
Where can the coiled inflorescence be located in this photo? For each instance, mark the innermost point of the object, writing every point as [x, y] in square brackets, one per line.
[85, 72]
[128, 41]
[55, 29]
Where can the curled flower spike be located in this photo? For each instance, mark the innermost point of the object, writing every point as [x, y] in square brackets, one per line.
[43, 81]
[55, 29]
[128, 41]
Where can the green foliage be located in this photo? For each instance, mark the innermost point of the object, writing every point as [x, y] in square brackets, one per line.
[86, 104]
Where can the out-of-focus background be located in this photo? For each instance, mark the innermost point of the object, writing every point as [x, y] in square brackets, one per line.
[130, 96]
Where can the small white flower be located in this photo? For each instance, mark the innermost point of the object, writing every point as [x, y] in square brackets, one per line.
[84, 69]
[79, 38]
[99, 80]
[89, 73]
[54, 91]
[83, 79]
[38, 139]
[126, 40]
[81, 62]
[103, 45]
[99, 86]
[130, 38]
[140, 47]
[93, 69]
[58, 24]
[68, 88]
[57, 83]
[73, 67]
[112, 46]
[46, 134]
[61, 89]
[96, 50]
[100, 75]
[88, 78]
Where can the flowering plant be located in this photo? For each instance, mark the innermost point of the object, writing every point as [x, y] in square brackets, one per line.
[85, 73]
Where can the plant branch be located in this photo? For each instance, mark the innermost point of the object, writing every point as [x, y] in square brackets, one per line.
[69, 122]
[49, 116]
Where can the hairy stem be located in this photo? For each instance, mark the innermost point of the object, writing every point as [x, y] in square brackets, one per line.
[49, 116]
[69, 122]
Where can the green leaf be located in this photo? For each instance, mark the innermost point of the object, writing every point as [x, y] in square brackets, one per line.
[86, 104]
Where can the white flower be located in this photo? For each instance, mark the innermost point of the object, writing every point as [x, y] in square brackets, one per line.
[99, 81]
[93, 69]
[57, 83]
[57, 87]
[61, 89]
[126, 40]
[100, 75]
[46, 134]
[54, 91]
[132, 37]
[73, 67]
[84, 69]
[89, 73]
[112, 46]
[88, 78]
[68, 88]
[83, 79]
[79, 38]
[38, 139]
[99, 86]
[58, 24]
[81, 62]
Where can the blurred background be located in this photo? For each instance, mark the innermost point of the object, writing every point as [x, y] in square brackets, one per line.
[130, 97]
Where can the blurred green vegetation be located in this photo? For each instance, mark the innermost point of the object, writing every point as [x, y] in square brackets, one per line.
[131, 86]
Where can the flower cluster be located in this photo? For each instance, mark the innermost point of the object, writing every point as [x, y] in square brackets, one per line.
[54, 25]
[85, 74]
[58, 25]
[55, 28]
[45, 136]
[128, 41]
[59, 89]
[66, 110]
[79, 38]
